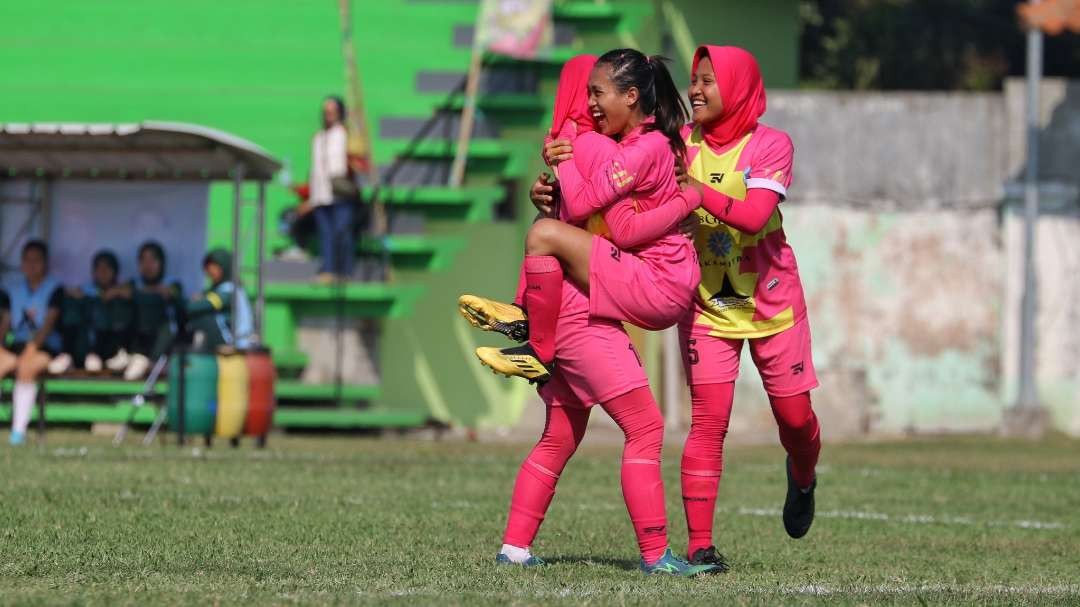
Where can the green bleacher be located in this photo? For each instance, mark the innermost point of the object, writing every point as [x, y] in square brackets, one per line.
[465, 238]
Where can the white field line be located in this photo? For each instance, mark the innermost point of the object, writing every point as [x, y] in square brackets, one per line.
[907, 519]
[911, 519]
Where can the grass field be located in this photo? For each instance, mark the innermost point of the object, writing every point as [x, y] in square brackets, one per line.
[351, 520]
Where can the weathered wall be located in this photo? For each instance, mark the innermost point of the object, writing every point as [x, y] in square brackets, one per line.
[910, 253]
[911, 267]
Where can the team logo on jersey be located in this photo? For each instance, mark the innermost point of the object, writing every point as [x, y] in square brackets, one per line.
[727, 298]
[619, 176]
[720, 243]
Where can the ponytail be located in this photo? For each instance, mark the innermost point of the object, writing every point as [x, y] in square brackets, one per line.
[658, 95]
[670, 110]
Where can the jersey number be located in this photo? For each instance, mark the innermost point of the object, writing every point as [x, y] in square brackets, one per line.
[692, 354]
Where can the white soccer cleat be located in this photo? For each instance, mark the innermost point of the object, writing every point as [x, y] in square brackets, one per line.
[137, 368]
[60, 364]
[93, 363]
[119, 362]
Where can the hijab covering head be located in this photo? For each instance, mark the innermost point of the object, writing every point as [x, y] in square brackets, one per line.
[572, 96]
[108, 257]
[222, 258]
[741, 90]
[155, 249]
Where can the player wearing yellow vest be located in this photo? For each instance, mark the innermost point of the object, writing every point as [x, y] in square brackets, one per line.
[750, 291]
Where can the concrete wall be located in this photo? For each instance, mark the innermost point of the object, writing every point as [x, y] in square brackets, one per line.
[911, 265]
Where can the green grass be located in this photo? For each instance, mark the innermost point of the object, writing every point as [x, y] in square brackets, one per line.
[359, 520]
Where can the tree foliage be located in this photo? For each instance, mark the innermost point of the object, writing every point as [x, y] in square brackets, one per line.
[920, 44]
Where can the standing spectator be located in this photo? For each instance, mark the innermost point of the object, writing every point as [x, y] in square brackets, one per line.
[333, 193]
[36, 300]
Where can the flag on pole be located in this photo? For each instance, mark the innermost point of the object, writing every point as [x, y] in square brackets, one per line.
[517, 28]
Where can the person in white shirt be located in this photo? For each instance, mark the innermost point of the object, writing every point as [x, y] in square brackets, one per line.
[334, 213]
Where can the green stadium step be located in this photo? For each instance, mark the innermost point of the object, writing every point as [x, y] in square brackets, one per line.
[105, 387]
[118, 388]
[290, 359]
[480, 149]
[509, 102]
[586, 11]
[468, 204]
[370, 300]
[284, 417]
[417, 251]
[295, 390]
[309, 417]
[556, 58]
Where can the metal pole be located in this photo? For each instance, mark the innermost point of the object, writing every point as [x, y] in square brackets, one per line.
[181, 392]
[468, 114]
[260, 253]
[1026, 417]
[672, 413]
[238, 187]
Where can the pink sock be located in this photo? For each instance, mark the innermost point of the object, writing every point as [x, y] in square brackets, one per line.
[800, 434]
[703, 460]
[543, 298]
[639, 418]
[535, 485]
[519, 296]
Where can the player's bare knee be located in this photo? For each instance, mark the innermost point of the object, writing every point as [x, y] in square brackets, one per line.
[28, 369]
[542, 237]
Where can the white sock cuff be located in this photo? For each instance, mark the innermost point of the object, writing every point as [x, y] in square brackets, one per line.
[516, 554]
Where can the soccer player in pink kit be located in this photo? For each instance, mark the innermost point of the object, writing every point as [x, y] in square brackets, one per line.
[750, 292]
[597, 364]
[642, 270]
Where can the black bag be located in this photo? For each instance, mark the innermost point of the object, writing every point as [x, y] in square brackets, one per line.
[344, 187]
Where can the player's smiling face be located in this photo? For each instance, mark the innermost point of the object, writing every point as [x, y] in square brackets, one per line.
[704, 94]
[610, 109]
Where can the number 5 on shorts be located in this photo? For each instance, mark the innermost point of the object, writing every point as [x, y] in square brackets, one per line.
[692, 354]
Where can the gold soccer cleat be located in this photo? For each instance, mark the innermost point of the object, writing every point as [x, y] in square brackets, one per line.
[490, 315]
[519, 361]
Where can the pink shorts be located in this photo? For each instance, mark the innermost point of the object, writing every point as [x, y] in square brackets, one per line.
[594, 358]
[626, 287]
[784, 360]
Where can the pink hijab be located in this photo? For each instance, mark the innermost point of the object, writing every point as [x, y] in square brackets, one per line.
[741, 89]
[572, 96]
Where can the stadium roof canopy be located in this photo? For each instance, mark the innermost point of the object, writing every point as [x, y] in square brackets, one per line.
[143, 151]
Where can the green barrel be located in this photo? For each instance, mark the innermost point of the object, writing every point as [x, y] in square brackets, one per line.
[200, 393]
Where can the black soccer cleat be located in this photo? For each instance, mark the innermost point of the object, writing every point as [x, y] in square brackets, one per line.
[709, 556]
[798, 506]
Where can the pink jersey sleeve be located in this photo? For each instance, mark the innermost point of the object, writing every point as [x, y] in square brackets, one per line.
[748, 216]
[770, 165]
[631, 167]
[630, 228]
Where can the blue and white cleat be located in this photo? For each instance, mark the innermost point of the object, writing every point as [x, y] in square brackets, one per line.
[669, 564]
[16, 439]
